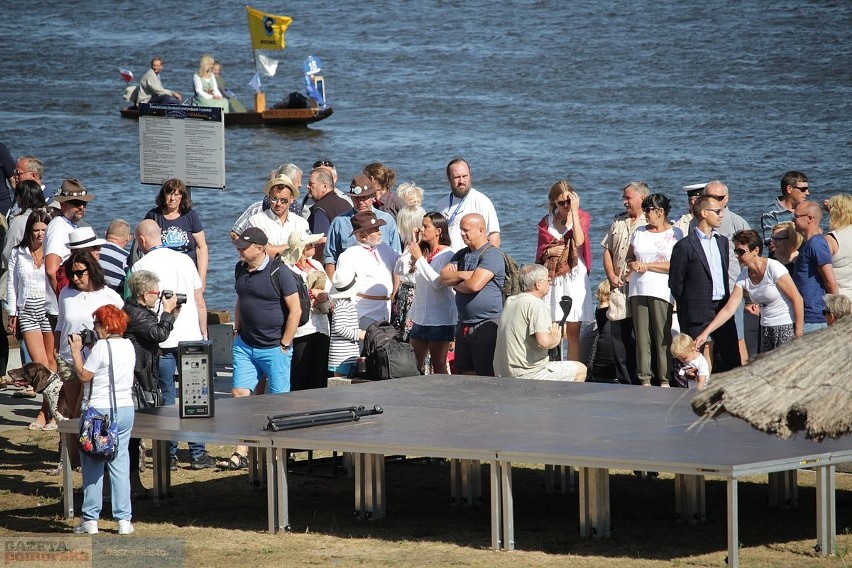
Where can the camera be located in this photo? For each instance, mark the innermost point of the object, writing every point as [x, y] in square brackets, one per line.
[167, 294]
[88, 337]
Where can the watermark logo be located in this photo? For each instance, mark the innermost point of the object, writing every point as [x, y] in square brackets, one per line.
[100, 551]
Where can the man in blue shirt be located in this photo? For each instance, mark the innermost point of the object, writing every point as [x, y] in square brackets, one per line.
[813, 273]
[340, 236]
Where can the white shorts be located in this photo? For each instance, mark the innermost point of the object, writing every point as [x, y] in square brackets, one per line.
[555, 371]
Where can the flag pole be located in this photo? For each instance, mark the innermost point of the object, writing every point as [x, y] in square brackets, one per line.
[259, 96]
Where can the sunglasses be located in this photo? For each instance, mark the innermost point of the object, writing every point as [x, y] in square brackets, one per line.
[717, 197]
[651, 208]
[563, 203]
[77, 203]
[79, 273]
[775, 238]
[740, 252]
[323, 164]
[283, 200]
[716, 211]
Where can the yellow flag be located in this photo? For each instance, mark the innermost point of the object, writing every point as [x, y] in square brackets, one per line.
[267, 30]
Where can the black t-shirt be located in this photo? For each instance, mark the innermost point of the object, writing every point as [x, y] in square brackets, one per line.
[262, 312]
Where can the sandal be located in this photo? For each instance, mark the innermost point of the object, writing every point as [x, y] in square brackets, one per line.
[27, 393]
[51, 426]
[235, 462]
[35, 426]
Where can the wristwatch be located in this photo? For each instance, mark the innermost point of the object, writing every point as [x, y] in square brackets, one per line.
[286, 347]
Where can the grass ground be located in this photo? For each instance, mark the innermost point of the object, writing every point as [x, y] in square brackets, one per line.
[221, 520]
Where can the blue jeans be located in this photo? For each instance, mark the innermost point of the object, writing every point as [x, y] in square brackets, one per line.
[811, 327]
[168, 366]
[119, 473]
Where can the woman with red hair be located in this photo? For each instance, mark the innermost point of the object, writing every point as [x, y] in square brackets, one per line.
[107, 377]
[563, 247]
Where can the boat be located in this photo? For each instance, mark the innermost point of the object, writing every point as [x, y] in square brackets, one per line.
[267, 32]
[275, 117]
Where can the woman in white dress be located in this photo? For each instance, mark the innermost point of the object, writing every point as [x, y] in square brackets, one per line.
[563, 247]
[651, 302]
[204, 81]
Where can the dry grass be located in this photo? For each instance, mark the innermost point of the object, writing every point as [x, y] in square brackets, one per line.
[222, 519]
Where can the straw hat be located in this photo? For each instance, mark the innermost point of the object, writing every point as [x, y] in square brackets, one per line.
[281, 179]
[298, 242]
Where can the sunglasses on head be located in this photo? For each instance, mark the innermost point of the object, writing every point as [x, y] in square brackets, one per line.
[323, 164]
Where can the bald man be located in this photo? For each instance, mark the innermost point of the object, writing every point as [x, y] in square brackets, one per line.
[477, 273]
[813, 273]
[177, 273]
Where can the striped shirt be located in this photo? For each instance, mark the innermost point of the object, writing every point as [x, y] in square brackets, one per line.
[343, 346]
[114, 262]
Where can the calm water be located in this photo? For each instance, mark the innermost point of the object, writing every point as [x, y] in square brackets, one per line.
[529, 92]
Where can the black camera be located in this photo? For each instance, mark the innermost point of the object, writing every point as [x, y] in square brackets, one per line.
[88, 337]
[167, 294]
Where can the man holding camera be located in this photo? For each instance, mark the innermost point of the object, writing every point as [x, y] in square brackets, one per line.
[176, 273]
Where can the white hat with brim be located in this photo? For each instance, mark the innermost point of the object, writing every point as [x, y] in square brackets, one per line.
[694, 188]
[83, 237]
[297, 243]
[281, 179]
[344, 284]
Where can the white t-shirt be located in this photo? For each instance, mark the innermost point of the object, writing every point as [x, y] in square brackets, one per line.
[55, 239]
[277, 232]
[653, 247]
[698, 367]
[454, 209]
[775, 307]
[433, 304]
[177, 273]
[318, 322]
[123, 361]
[75, 313]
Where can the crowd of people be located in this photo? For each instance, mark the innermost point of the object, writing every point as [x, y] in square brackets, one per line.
[314, 273]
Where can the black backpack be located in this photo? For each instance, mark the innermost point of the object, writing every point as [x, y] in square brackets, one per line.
[301, 288]
[387, 356]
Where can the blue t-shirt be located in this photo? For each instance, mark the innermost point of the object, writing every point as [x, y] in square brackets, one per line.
[262, 312]
[487, 304]
[177, 233]
[813, 254]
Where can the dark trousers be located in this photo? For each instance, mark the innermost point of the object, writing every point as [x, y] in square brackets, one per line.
[624, 351]
[309, 368]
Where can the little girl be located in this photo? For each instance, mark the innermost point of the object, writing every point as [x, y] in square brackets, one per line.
[344, 348]
[691, 368]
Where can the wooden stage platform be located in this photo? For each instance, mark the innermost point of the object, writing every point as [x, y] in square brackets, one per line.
[594, 427]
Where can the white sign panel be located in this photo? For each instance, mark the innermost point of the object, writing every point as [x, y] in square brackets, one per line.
[182, 142]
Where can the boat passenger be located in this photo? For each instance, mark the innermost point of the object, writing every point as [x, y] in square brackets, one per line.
[207, 94]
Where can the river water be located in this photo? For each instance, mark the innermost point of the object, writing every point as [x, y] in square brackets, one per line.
[529, 92]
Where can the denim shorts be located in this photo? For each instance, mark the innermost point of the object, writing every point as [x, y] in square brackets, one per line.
[433, 332]
[250, 362]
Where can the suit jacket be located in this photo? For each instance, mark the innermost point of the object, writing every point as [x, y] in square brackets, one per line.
[691, 283]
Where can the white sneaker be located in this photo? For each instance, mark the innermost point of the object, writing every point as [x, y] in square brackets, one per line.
[125, 527]
[86, 527]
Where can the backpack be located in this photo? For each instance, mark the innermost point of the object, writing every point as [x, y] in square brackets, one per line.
[387, 356]
[304, 297]
[512, 281]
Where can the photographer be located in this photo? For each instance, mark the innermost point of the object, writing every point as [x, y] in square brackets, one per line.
[111, 354]
[86, 291]
[146, 332]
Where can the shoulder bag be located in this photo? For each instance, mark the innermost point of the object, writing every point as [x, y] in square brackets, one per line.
[99, 432]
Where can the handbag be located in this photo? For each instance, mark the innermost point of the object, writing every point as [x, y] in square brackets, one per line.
[617, 310]
[99, 432]
[146, 398]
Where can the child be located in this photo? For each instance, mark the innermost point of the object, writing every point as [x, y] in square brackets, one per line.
[344, 348]
[691, 369]
[601, 361]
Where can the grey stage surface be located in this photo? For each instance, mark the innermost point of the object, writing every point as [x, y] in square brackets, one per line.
[593, 426]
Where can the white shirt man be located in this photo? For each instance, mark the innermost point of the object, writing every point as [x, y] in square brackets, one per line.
[277, 222]
[373, 262]
[464, 199]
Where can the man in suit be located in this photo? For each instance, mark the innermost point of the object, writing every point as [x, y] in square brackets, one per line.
[698, 278]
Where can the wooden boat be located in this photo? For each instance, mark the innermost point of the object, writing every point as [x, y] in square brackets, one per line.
[270, 117]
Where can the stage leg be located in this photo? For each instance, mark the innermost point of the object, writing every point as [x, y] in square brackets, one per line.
[826, 512]
[67, 476]
[162, 471]
[733, 525]
[508, 505]
[594, 503]
[369, 485]
[783, 489]
[496, 504]
[690, 505]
